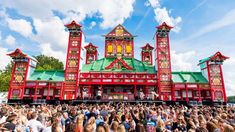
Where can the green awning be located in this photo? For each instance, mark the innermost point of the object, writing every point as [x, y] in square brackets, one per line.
[47, 75]
[188, 77]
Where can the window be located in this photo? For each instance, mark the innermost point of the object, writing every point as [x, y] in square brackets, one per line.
[147, 58]
[71, 76]
[177, 93]
[91, 58]
[128, 49]
[15, 92]
[162, 44]
[215, 69]
[195, 93]
[165, 77]
[26, 91]
[110, 49]
[74, 43]
[119, 49]
[218, 94]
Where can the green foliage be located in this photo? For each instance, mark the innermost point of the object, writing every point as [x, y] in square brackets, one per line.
[5, 77]
[231, 99]
[48, 63]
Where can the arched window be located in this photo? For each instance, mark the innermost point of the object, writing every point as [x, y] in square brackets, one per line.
[110, 48]
[128, 48]
[119, 49]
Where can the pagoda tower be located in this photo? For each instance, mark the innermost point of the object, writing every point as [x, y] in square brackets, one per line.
[163, 62]
[72, 67]
[211, 68]
[91, 53]
[23, 64]
[146, 54]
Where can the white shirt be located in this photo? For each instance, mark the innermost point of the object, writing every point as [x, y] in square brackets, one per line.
[35, 125]
[99, 93]
[48, 129]
[3, 119]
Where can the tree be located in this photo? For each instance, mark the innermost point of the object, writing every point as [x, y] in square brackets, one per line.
[48, 63]
[231, 99]
[5, 77]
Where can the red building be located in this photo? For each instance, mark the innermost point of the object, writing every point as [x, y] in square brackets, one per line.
[118, 76]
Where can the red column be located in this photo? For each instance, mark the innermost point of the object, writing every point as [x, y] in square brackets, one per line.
[12, 77]
[146, 91]
[35, 92]
[89, 91]
[173, 92]
[61, 91]
[101, 88]
[199, 93]
[187, 93]
[134, 91]
[81, 91]
[48, 91]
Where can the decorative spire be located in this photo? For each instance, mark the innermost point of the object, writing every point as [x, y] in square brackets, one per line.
[73, 24]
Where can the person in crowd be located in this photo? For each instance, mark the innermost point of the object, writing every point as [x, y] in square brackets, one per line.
[116, 117]
[34, 124]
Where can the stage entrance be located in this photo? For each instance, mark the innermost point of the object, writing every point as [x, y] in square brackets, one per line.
[117, 92]
[121, 92]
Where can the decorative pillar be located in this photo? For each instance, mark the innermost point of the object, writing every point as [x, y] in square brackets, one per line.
[48, 91]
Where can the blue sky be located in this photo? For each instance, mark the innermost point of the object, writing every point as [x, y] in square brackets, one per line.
[201, 27]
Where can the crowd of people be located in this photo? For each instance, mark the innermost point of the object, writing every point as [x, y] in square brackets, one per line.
[120, 117]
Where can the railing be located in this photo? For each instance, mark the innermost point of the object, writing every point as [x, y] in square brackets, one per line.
[112, 78]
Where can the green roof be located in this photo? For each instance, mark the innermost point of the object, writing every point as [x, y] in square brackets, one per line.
[99, 66]
[47, 75]
[188, 77]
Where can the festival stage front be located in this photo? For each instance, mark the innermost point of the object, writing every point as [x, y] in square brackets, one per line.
[118, 76]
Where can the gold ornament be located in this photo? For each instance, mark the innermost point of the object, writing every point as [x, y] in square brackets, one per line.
[19, 78]
[119, 31]
[72, 63]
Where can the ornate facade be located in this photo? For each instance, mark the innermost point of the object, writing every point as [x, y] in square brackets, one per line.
[118, 76]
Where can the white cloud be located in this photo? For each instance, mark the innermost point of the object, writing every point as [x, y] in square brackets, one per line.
[111, 12]
[228, 71]
[182, 61]
[0, 35]
[116, 12]
[49, 51]
[92, 24]
[227, 20]
[4, 59]
[10, 40]
[163, 15]
[20, 25]
[52, 32]
[153, 3]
